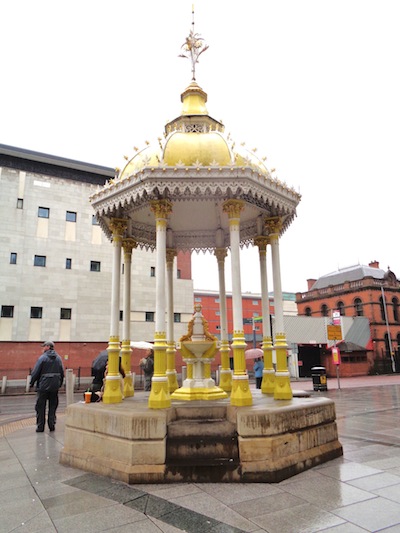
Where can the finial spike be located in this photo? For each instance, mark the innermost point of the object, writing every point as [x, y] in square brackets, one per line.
[193, 47]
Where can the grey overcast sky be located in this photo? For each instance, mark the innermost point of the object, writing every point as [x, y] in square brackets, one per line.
[314, 85]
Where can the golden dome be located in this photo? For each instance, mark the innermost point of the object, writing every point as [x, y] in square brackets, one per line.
[193, 138]
[191, 148]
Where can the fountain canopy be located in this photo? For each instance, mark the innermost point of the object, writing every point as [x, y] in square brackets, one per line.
[197, 168]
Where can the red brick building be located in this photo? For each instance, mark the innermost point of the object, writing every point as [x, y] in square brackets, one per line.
[361, 291]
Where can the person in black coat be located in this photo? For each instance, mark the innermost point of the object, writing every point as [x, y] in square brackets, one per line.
[48, 374]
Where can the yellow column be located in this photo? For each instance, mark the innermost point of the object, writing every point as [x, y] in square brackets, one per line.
[240, 395]
[112, 389]
[268, 381]
[128, 245]
[159, 395]
[283, 390]
[171, 351]
[225, 381]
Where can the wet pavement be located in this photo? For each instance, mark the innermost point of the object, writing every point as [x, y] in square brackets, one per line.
[355, 493]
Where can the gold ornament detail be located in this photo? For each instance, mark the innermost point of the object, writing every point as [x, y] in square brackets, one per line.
[161, 208]
[233, 208]
[273, 225]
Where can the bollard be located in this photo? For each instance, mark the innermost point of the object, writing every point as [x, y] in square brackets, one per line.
[69, 386]
[4, 385]
[28, 383]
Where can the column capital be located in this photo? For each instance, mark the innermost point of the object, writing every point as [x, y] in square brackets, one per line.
[220, 254]
[118, 225]
[273, 225]
[170, 255]
[233, 208]
[161, 208]
[261, 241]
[128, 245]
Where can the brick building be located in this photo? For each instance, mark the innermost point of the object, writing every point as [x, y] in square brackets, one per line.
[357, 291]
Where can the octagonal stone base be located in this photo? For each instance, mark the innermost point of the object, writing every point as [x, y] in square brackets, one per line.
[204, 441]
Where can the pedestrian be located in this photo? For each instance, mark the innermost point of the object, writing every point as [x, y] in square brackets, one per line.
[258, 368]
[48, 374]
[147, 365]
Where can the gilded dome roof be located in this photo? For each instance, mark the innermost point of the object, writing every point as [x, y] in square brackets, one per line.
[193, 138]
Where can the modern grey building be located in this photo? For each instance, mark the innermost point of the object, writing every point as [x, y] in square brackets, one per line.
[55, 262]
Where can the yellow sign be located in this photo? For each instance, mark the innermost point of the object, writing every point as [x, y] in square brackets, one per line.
[334, 333]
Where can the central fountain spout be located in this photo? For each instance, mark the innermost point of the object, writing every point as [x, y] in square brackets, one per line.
[198, 349]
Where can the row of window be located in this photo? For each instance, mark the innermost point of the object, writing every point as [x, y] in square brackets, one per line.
[7, 311]
[40, 261]
[357, 309]
[44, 212]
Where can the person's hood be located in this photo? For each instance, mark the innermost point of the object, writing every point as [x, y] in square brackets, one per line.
[51, 353]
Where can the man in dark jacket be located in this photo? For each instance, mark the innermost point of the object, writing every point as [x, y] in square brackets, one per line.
[48, 374]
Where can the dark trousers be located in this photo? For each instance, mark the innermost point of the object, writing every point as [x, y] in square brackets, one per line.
[41, 400]
[258, 382]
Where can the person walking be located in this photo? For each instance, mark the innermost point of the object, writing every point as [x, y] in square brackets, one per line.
[258, 368]
[48, 374]
[147, 365]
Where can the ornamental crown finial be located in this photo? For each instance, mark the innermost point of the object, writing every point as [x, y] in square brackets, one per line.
[193, 47]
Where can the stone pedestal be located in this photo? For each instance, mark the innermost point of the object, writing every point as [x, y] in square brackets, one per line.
[266, 442]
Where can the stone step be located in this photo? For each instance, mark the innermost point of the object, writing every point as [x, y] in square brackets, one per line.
[202, 442]
[203, 410]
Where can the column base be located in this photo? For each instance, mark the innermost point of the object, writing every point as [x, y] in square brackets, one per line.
[241, 394]
[128, 385]
[172, 380]
[268, 382]
[283, 390]
[112, 390]
[159, 395]
[225, 380]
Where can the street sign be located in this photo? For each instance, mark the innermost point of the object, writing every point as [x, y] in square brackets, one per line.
[334, 333]
[247, 321]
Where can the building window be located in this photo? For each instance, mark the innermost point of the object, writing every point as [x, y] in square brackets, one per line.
[152, 272]
[395, 303]
[36, 312]
[7, 311]
[121, 315]
[39, 261]
[217, 313]
[381, 304]
[324, 310]
[44, 212]
[197, 299]
[149, 316]
[20, 203]
[216, 300]
[65, 313]
[308, 311]
[177, 317]
[256, 302]
[13, 258]
[68, 263]
[94, 266]
[340, 306]
[358, 307]
[95, 222]
[70, 216]
[217, 326]
[178, 274]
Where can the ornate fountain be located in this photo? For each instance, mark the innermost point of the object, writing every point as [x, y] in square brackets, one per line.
[198, 349]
